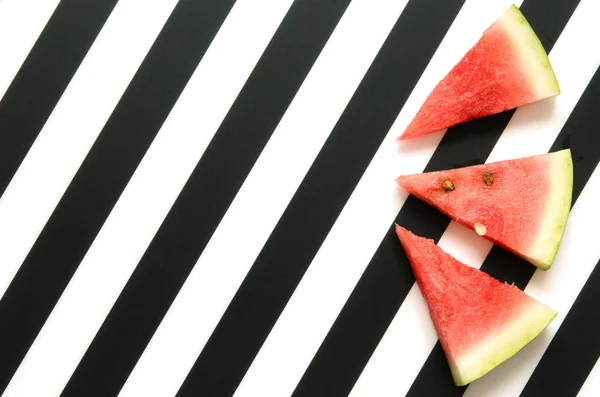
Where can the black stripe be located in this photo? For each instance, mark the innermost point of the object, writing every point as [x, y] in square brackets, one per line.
[388, 278]
[576, 346]
[205, 198]
[103, 175]
[577, 134]
[320, 198]
[574, 349]
[44, 76]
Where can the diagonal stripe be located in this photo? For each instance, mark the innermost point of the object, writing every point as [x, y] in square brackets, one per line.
[188, 226]
[110, 163]
[182, 334]
[21, 23]
[75, 123]
[381, 290]
[148, 197]
[559, 287]
[180, 329]
[299, 232]
[592, 383]
[575, 348]
[44, 76]
[29, 200]
[340, 260]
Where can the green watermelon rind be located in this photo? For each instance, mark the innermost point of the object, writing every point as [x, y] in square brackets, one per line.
[532, 53]
[502, 345]
[558, 207]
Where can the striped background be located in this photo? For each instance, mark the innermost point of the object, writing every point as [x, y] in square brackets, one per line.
[197, 197]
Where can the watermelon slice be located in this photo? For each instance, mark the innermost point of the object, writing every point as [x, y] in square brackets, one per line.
[480, 321]
[521, 205]
[507, 68]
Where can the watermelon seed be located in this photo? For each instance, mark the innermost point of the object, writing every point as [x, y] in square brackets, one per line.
[488, 177]
[448, 185]
[480, 229]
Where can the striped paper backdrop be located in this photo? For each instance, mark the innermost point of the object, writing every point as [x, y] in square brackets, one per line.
[197, 197]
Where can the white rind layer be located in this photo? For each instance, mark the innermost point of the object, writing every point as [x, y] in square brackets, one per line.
[532, 54]
[501, 345]
[558, 206]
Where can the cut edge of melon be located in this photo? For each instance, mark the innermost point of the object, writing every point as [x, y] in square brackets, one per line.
[502, 345]
[558, 207]
[531, 52]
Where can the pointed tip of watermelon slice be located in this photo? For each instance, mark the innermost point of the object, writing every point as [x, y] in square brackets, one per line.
[406, 236]
[410, 183]
[414, 130]
[401, 232]
[409, 133]
[402, 181]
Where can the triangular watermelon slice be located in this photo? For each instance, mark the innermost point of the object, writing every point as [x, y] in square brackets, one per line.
[507, 68]
[521, 205]
[480, 321]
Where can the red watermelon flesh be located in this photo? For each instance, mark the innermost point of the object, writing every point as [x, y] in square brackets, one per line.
[521, 205]
[480, 321]
[507, 68]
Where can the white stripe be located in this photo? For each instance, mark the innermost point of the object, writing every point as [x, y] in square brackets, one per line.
[21, 22]
[558, 288]
[349, 246]
[250, 219]
[73, 127]
[58, 152]
[147, 199]
[592, 383]
[405, 347]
